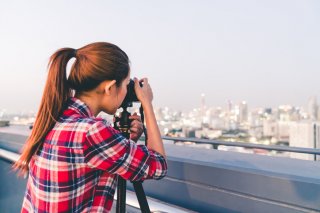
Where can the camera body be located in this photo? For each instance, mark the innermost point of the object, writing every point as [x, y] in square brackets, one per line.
[131, 95]
[122, 122]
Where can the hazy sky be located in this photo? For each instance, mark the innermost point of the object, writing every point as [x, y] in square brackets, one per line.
[264, 52]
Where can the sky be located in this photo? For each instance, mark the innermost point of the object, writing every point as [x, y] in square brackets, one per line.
[265, 52]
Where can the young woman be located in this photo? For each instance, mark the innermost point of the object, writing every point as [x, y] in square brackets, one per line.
[72, 157]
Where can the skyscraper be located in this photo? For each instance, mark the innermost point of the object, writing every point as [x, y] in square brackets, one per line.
[313, 108]
[243, 108]
[203, 101]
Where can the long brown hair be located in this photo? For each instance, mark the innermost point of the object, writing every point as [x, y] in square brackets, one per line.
[94, 64]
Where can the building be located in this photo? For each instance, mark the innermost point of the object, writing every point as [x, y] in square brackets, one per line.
[313, 108]
[270, 128]
[276, 129]
[243, 112]
[304, 134]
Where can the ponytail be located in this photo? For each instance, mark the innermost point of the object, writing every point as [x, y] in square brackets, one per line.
[95, 63]
[55, 95]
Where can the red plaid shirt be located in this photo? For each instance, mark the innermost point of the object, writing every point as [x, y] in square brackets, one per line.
[76, 169]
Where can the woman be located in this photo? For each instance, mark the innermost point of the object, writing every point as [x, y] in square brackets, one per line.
[72, 157]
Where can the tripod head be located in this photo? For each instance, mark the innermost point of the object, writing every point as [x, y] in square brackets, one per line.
[122, 122]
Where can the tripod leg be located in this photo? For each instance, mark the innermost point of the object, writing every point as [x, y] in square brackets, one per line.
[141, 196]
[121, 195]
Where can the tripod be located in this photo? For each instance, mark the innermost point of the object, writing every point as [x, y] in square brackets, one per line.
[122, 123]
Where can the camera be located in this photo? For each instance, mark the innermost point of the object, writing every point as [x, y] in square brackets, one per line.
[131, 95]
[122, 122]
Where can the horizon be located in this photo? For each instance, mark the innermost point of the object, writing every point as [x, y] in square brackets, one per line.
[224, 107]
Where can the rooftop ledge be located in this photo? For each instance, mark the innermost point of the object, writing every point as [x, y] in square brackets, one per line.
[208, 180]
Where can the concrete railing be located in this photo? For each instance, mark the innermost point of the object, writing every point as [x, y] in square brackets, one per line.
[208, 180]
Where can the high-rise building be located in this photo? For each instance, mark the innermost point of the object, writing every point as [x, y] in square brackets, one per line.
[304, 134]
[270, 128]
[243, 112]
[203, 101]
[229, 102]
[285, 112]
[204, 117]
[313, 108]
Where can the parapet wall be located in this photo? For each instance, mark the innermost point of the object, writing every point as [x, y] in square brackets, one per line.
[210, 181]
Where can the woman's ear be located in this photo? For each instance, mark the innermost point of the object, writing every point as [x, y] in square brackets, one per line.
[108, 86]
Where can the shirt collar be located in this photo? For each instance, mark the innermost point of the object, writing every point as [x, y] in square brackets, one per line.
[80, 107]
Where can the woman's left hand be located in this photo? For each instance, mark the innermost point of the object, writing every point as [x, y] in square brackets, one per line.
[136, 128]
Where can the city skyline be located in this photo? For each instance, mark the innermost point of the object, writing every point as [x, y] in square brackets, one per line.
[265, 52]
[311, 107]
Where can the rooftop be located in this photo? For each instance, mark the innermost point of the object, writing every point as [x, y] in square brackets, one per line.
[206, 180]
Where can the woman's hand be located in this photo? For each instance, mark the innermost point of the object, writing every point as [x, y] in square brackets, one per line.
[145, 96]
[144, 93]
[136, 128]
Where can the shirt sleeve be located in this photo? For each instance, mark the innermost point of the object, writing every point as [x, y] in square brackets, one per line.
[107, 149]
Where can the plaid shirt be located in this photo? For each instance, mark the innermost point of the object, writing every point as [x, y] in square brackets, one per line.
[76, 169]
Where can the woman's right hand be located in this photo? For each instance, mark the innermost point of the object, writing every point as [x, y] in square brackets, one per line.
[144, 93]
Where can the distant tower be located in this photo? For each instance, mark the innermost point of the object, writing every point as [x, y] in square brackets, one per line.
[229, 120]
[203, 107]
[313, 108]
[243, 108]
[203, 101]
[229, 106]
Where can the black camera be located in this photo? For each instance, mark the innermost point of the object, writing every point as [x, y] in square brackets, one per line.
[131, 95]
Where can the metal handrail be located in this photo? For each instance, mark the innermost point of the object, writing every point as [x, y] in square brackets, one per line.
[9, 156]
[246, 145]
